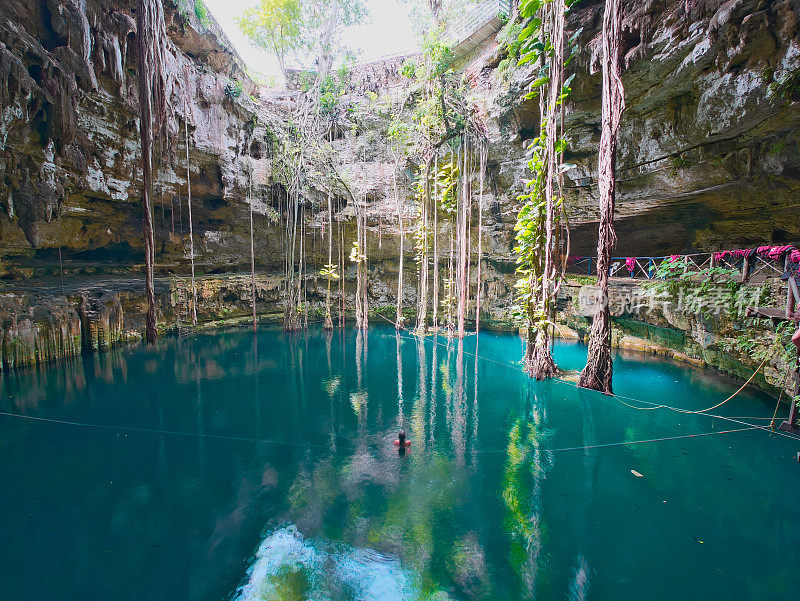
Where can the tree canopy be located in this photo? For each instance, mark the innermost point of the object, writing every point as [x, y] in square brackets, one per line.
[286, 28]
[275, 26]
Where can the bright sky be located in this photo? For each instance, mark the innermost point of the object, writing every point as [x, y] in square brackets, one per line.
[389, 31]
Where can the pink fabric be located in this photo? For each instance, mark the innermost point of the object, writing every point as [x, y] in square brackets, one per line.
[674, 258]
[779, 251]
[775, 252]
[794, 257]
[737, 253]
[630, 263]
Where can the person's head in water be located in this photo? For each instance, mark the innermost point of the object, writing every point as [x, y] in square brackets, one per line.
[401, 440]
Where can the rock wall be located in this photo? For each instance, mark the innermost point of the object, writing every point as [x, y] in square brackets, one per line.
[701, 338]
[69, 174]
[709, 154]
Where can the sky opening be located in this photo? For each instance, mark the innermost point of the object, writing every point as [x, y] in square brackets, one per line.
[389, 31]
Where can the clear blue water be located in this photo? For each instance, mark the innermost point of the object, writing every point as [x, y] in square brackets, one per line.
[223, 467]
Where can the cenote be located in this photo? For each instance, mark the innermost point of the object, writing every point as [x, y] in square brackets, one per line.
[241, 466]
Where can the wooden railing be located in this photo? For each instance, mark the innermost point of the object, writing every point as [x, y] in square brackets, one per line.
[752, 268]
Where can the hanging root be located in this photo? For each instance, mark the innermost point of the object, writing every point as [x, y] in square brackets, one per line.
[597, 374]
[539, 362]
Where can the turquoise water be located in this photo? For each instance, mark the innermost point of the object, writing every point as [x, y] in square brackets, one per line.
[227, 467]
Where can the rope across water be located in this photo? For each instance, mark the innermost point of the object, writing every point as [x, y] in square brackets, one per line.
[618, 398]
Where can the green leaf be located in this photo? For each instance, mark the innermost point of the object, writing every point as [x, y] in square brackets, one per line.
[538, 83]
[534, 26]
[528, 8]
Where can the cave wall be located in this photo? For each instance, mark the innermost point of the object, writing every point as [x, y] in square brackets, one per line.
[709, 155]
[69, 171]
[709, 152]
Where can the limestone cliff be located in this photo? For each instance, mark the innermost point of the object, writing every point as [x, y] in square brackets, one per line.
[69, 176]
[709, 154]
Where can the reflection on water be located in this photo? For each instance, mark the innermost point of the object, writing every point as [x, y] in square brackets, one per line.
[201, 452]
[288, 568]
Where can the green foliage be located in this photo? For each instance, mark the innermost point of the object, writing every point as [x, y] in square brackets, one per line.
[187, 7]
[184, 7]
[709, 291]
[777, 147]
[274, 25]
[778, 342]
[531, 230]
[330, 271]
[787, 88]
[409, 69]
[356, 254]
[420, 233]
[509, 39]
[446, 187]
[679, 162]
[437, 112]
[332, 89]
[234, 89]
[201, 12]
[398, 131]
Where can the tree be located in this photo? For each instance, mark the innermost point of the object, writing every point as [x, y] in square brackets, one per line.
[324, 23]
[597, 374]
[276, 26]
[151, 40]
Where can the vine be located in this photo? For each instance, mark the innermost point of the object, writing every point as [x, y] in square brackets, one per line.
[542, 216]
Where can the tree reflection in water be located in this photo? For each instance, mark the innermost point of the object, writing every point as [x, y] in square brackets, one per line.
[525, 470]
[203, 450]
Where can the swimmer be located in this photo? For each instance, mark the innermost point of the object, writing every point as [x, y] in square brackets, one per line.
[401, 440]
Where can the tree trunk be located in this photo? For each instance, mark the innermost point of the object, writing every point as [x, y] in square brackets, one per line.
[597, 374]
[539, 361]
